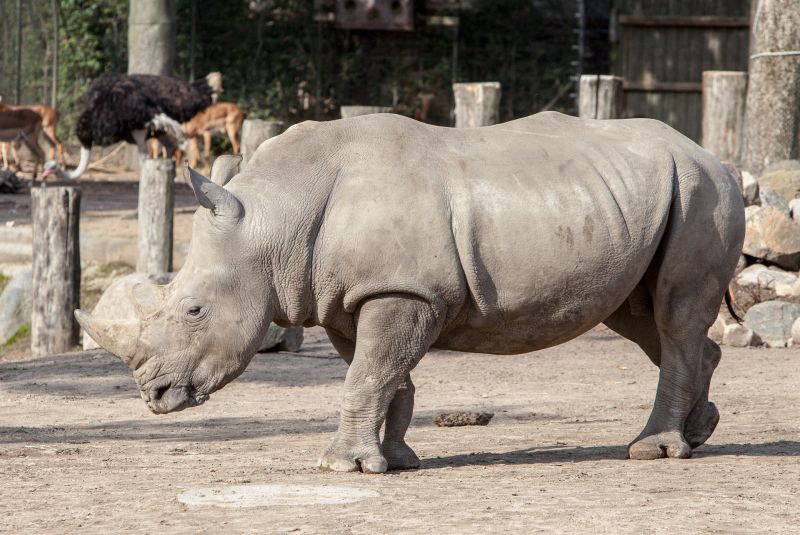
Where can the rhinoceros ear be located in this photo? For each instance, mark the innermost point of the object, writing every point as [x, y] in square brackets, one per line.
[225, 168]
[221, 202]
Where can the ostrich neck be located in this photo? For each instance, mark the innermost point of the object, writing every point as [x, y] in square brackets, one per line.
[82, 165]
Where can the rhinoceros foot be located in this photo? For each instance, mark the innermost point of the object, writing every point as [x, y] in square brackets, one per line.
[346, 458]
[399, 455]
[667, 444]
[700, 423]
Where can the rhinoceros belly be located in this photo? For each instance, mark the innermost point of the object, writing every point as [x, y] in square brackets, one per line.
[554, 238]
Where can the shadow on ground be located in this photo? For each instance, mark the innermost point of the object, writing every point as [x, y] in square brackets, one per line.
[560, 454]
[94, 374]
[205, 430]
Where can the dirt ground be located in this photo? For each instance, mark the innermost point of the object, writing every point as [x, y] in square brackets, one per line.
[80, 453]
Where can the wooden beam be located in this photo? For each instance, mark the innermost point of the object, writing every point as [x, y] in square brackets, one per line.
[666, 87]
[707, 21]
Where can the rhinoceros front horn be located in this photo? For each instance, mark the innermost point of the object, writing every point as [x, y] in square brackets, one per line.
[222, 203]
[119, 337]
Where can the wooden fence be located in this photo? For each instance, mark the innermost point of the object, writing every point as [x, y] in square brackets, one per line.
[664, 47]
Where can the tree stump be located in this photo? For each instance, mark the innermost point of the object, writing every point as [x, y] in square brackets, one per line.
[156, 205]
[477, 104]
[55, 213]
[355, 111]
[600, 97]
[724, 94]
[255, 132]
[772, 118]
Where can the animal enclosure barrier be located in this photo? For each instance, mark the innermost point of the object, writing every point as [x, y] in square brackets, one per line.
[600, 97]
[477, 104]
[724, 94]
[255, 132]
[664, 47]
[55, 213]
[156, 204]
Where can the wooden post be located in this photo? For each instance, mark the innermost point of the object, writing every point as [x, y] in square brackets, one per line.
[600, 96]
[55, 213]
[156, 204]
[355, 111]
[724, 94]
[772, 121]
[477, 104]
[255, 132]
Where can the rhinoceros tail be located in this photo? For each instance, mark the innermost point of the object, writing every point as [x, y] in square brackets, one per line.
[729, 304]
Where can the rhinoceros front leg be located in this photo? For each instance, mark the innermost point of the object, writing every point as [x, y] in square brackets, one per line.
[398, 454]
[393, 333]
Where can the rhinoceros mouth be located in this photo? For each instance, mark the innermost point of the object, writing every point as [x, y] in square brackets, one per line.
[171, 398]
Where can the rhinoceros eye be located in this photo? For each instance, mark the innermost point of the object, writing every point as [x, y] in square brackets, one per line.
[194, 311]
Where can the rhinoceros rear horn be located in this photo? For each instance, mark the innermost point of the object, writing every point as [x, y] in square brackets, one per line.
[119, 337]
[225, 168]
[222, 203]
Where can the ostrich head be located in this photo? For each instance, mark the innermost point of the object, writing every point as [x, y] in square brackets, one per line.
[214, 81]
[52, 168]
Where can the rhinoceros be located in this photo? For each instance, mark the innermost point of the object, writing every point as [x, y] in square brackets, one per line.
[397, 236]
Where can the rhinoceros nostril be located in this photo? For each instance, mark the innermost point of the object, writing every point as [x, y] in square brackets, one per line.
[157, 393]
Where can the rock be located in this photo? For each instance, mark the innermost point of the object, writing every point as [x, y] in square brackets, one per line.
[773, 237]
[740, 265]
[717, 329]
[785, 182]
[282, 339]
[15, 304]
[772, 321]
[750, 187]
[794, 208]
[759, 283]
[770, 197]
[783, 165]
[736, 335]
[117, 303]
[458, 419]
[796, 332]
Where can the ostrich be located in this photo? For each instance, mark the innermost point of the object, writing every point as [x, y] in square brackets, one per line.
[134, 107]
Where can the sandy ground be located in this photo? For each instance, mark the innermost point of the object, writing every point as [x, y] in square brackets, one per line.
[80, 453]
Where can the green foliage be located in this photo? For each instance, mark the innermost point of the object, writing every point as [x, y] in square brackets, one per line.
[3, 281]
[279, 62]
[22, 334]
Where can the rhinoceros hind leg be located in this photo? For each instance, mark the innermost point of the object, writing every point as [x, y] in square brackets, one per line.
[398, 454]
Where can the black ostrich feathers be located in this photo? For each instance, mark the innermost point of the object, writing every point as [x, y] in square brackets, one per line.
[117, 104]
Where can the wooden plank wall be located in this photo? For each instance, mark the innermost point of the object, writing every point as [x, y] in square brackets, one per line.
[664, 47]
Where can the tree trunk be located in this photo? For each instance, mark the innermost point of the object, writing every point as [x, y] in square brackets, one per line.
[600, 97]
[156, 203]
[355, 111]
[477, 104]
[55, 213]
[255, 132]
[724, 94]
[772, 121]
[151, 37]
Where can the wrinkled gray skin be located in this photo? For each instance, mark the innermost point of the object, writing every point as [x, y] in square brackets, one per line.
[397, 236]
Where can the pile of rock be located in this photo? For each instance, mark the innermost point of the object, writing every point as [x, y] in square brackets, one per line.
[766, 286]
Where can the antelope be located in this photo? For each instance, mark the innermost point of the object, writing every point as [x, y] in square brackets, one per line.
[49, 126]
[21, 126]
[220, 117]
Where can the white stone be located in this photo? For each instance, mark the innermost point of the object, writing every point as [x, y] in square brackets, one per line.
[274, 495]
[750, 185]
[796, 332]
[736, 335]
[773, 321]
